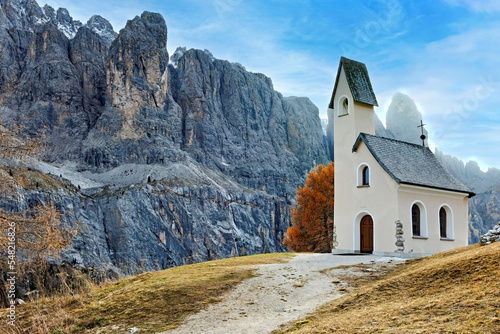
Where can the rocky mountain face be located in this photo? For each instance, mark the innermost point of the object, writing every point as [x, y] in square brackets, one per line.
[103, 28]
[403, 119]
[164, 164]
[484, 208]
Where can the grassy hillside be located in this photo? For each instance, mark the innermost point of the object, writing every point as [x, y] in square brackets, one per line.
[153, 301]
[452, 292]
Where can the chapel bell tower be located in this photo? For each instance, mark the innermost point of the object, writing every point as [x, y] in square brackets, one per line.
[351, 110]
[351, 107]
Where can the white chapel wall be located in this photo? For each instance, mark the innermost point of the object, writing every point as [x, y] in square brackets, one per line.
[433, 201]
[379, 200]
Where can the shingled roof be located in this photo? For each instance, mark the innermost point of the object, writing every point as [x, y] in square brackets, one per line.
[358, 81]
[410, 164]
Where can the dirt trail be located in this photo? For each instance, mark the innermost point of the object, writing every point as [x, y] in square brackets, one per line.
[282, 293]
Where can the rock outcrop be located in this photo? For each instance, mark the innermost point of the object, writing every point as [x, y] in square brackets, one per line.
[235, 122]
[103, 28]
[162, 164]
[492, 235]
[185, 214]
[137, 71]
[403, 119]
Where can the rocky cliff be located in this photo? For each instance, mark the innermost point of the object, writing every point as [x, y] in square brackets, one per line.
[484, 208]
[403, 119]
[163, 164]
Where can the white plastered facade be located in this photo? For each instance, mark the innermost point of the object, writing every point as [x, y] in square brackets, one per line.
[384, 200]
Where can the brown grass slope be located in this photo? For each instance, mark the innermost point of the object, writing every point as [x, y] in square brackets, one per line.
[152, 302]
[457, 291]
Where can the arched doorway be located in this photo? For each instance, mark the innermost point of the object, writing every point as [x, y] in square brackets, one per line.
[366, 234]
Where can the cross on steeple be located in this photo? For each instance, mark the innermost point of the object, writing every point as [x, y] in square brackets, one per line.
[421, 126]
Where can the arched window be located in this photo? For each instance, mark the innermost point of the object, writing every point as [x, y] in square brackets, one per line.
[366, 176]
[363, 174]
[343, 106]
[446, 222]
[415, 220]
[442, 223]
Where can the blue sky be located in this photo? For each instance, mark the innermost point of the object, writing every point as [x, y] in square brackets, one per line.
[443, 53]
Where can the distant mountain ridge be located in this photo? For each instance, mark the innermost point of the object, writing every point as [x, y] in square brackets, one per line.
[27, 15]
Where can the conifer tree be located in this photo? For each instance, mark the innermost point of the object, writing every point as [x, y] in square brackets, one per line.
[312, 218]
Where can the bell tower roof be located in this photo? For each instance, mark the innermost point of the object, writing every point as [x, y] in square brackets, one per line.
[358, 81]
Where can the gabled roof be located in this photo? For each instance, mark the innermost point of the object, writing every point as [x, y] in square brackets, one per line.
[411, 164]
[358, 81]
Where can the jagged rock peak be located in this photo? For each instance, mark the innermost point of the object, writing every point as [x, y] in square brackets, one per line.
[137, 74]
[27, 15]
[65, 23]
[209, 54]
[49, 12]
[21, 14]
[149, 27]
[178, 53]
[103, 28]
[403, 119]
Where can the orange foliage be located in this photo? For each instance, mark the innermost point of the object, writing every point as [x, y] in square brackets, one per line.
[312, 218]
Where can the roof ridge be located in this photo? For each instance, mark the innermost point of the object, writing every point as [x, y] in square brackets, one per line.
[397, 140]
[393, 164]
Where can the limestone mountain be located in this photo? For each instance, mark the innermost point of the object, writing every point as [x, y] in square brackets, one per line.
[163, 162]
[484, 208]
[103, 28]
[403, 119]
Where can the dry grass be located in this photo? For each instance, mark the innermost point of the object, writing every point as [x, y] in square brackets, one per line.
[153, 301]
[452, 292]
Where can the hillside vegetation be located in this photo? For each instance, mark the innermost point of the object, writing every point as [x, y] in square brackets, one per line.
[452, 292]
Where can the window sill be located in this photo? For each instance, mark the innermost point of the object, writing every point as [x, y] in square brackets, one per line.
[343, 115]
[418, 237]
[364, 186]
[447, 239]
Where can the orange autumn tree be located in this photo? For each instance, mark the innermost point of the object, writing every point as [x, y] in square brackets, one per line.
[312, 218]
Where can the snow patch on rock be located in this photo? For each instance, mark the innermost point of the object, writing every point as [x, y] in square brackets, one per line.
[177, 55]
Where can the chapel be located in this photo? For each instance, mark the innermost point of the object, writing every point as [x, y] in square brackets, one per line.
[391, 197]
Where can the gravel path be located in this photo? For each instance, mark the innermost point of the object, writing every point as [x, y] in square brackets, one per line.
[282, 293]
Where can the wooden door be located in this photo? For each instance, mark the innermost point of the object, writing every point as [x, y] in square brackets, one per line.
[366, 234]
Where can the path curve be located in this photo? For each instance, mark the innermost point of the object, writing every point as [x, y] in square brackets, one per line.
[282, 293]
